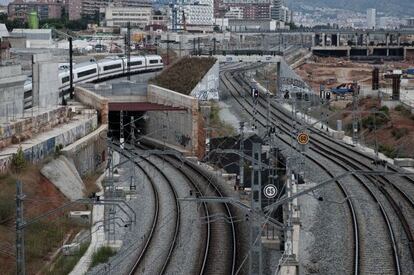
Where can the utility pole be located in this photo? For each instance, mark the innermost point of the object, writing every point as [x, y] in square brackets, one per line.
[128, 49]
[278, 84]
[20, 259]
[121, 129]
[355, 117]
[256, 263]
[71, 94]
[241, 161]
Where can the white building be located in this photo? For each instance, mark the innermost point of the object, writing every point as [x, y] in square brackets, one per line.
[195, 16]
[234, 13]
[371, 18]
[120, 16]
[276, 10]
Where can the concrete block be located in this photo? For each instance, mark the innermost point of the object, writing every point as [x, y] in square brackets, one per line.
[404, 162]
[63, 174]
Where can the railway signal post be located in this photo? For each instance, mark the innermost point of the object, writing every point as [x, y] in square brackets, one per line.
[256, 261]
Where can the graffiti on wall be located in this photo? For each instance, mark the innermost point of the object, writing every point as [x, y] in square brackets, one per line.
[38, 151]
[182, 139]
[205, 95]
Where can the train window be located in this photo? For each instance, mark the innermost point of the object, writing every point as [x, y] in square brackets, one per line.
[135, 63]
[153, 61]
[88, 72]
[65, 79]
[111, 67]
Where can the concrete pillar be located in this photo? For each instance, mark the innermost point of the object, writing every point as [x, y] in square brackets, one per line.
[356, 39]
[399, 39]
[323, 40]
[338, 39]
[313, 40]
[386, 40]
[368, 40]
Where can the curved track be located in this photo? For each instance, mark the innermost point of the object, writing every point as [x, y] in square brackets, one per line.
[382, 190]
[158, 222]
[221, 243]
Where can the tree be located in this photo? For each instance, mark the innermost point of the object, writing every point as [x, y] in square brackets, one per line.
[18, 160]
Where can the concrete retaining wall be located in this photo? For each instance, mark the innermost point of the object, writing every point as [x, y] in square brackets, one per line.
[89, 153]
[182, 127]
[207, 88]
[95, 101]
[11, 92]
[44, 144]
[45, 81]
[24, 129]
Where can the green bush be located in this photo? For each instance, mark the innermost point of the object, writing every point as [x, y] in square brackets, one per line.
[403, 110]
[399, 132]
[387, 150]
[102, 255]
[18, 160]
[385, 110]
[58, 150]
[370, 121]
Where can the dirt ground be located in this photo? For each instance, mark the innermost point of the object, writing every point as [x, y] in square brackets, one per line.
[395, 134]
[332, 72]
[394, 131]
[42, 238]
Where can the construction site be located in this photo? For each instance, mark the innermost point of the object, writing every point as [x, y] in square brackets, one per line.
[394, 131]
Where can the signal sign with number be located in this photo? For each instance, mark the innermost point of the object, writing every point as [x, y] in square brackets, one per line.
[270, 191]
[303, 138]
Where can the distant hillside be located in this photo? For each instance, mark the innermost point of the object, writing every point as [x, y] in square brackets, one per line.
[393, 7]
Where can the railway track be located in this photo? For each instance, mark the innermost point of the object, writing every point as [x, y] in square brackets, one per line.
[219, 236]
[378, 189]
[145, 257]
[221, 243]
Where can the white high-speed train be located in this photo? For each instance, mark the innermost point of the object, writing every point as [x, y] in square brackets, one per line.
[109, 67]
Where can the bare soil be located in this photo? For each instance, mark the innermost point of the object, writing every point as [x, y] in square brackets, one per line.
[41, 238]
[332, 72]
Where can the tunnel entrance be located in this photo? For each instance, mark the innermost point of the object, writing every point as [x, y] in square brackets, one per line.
[129, 119]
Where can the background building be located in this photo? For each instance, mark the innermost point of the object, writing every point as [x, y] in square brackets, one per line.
[252, 9]
[193, 16]
[91, 8]
[46, 9]
[119, 17]
[371, 18]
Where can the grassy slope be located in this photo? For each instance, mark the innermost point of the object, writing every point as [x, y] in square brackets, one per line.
[184, 75]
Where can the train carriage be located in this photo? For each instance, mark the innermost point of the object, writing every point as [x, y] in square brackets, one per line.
[109, 67]
[85, 72]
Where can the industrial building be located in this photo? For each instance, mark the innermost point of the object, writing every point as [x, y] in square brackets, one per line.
[120, 16]
[91, 8]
